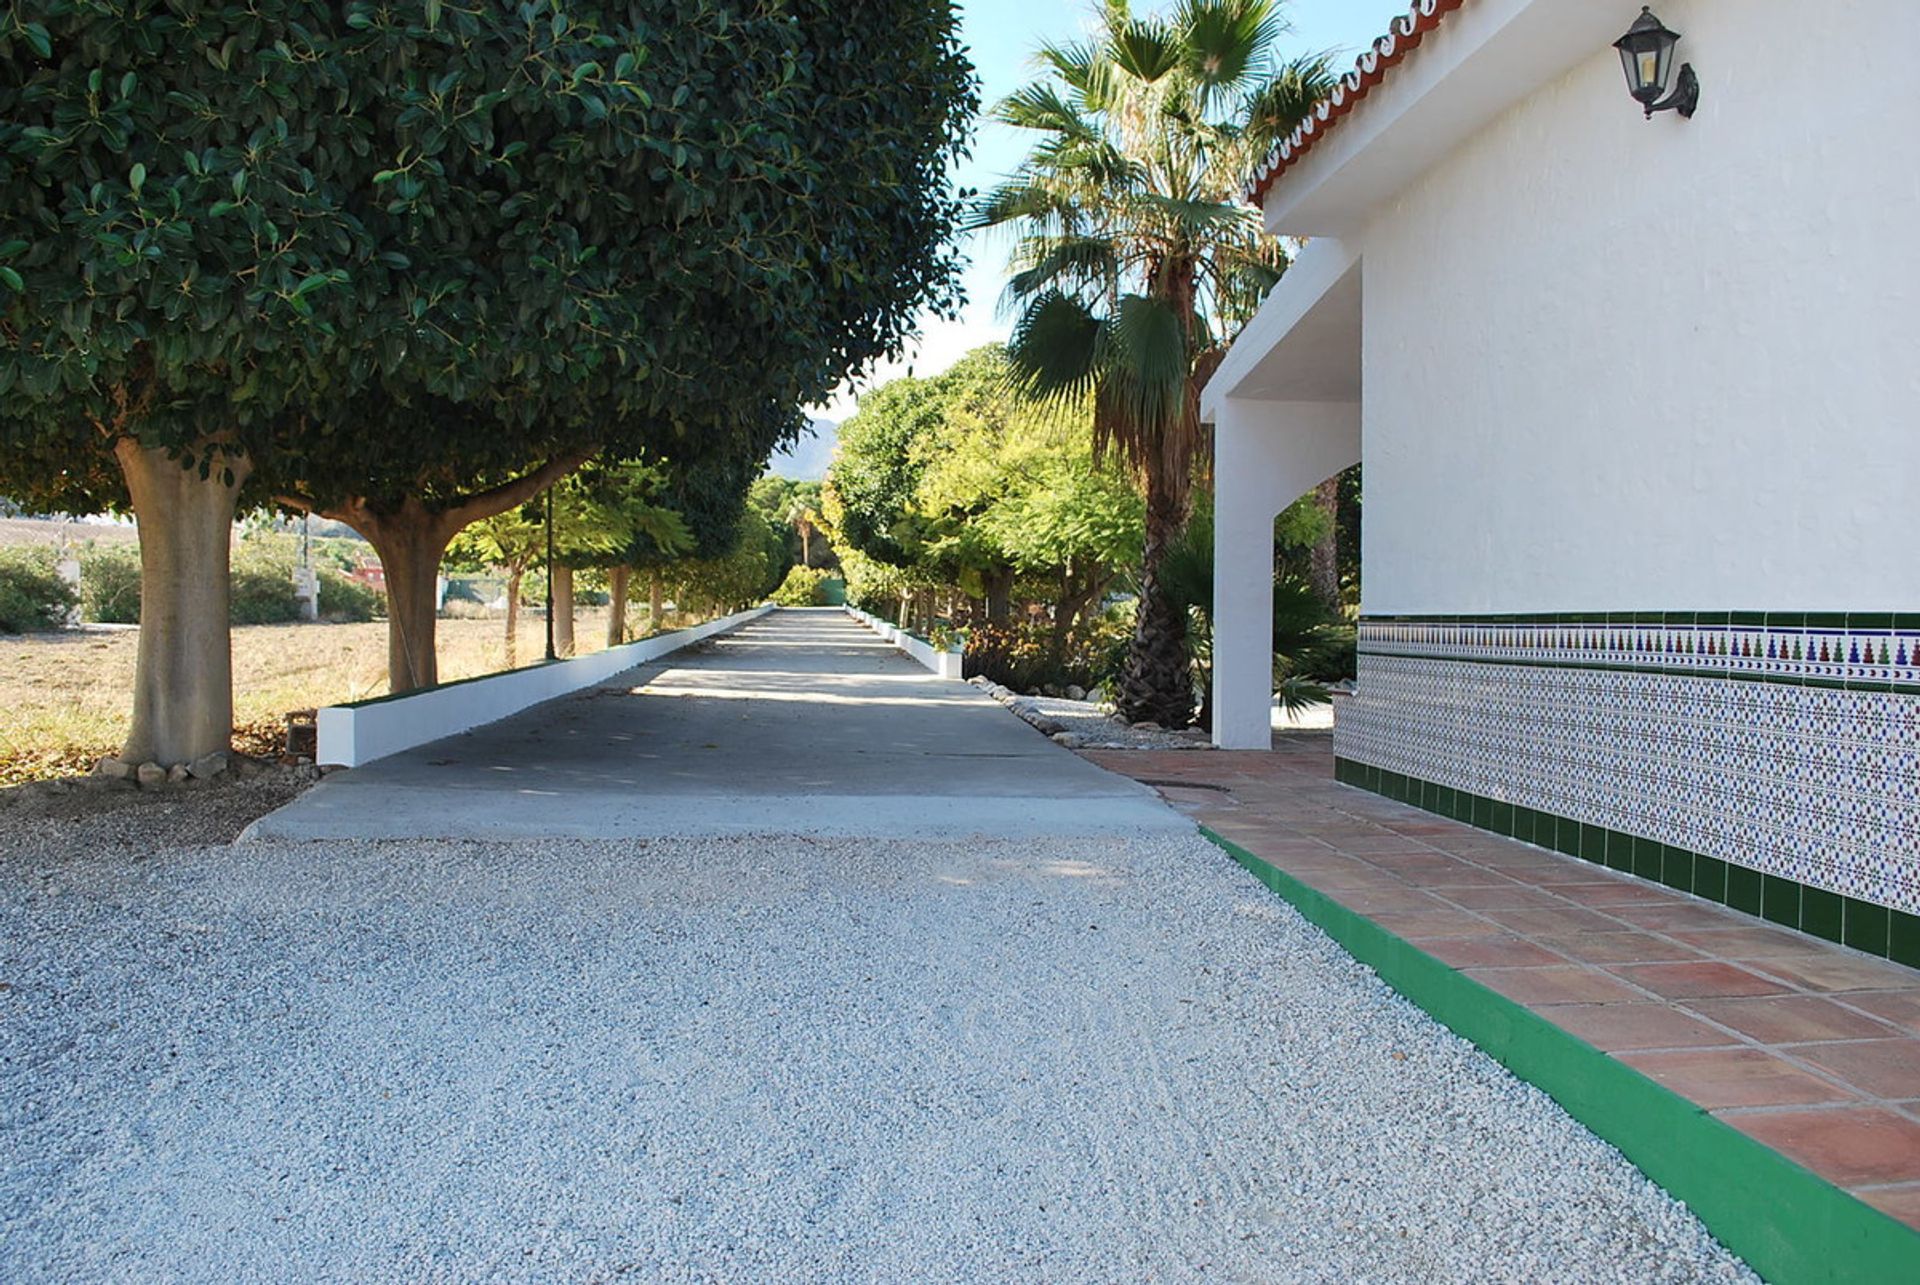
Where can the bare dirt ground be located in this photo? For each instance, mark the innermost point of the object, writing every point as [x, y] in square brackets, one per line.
[64, 697]
[15, 531]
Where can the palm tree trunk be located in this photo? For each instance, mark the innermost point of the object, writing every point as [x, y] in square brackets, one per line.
[1323, 567]
[1157, 683]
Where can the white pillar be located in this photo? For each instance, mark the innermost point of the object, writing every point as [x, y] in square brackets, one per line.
[1266, 456]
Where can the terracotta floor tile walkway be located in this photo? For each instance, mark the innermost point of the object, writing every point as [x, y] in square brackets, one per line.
[1811, 1048]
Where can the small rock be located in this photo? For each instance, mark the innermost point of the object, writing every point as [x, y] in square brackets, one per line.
[1147, 725]
[1046, 725]
[150, 774]
[177, 774]
[208, 766]
[113, 769]
[1075, 692]
[1072, 740]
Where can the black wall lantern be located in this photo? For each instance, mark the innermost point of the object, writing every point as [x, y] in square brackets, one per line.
[1646, 51]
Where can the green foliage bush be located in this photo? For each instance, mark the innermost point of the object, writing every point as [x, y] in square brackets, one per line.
[1022, 656]
[110, 585]
[262, 594]
[262, 588]
[32, 594]
[803, 587]
[347, 600]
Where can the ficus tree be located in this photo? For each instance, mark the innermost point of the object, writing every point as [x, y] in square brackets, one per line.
[406, 264]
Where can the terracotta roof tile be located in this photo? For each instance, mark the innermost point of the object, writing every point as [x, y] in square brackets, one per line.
[1403, 36]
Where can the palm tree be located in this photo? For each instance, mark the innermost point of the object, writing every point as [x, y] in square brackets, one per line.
[1135, 260]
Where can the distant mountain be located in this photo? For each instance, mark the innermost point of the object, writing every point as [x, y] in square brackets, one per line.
[807, 459]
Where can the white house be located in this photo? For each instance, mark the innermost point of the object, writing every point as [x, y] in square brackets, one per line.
[1638, 399]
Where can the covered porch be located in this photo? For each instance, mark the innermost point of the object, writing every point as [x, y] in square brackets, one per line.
[1285, 409]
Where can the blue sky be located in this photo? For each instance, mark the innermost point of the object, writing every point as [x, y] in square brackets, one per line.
[1002, 35]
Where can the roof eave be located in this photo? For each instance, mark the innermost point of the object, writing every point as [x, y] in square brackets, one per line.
[1486, 57]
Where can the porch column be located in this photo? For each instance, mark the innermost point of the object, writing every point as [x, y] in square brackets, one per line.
[1266, 456]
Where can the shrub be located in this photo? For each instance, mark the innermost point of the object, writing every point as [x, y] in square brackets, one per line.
[262, 594]
[803, 587]
[343, 598]
[1021, 656]
[32, 594]
[110, 585]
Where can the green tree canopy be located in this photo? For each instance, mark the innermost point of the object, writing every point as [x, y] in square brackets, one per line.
[367, 257]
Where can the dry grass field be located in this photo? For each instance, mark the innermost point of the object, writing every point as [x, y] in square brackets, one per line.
[64, 697]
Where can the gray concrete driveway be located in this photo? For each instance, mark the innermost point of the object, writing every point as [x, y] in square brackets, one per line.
[801, 722]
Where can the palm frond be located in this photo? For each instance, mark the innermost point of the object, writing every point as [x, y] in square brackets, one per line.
[1054, 350]
[1145, 48]
[1019, 200]
[1075, 264]
[1226, 40]
[1141, 405]
[1274, 110]
[1040, 107]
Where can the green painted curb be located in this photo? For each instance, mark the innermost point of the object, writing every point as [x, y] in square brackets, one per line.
[1788, 1223]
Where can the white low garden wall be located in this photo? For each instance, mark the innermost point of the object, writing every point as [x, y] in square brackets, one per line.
[944, 663]
[350, 735]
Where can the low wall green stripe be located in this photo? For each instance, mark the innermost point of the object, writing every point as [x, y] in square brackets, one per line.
[1787, 1222]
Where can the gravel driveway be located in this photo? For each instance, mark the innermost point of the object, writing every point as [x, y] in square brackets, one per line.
[756, 1059]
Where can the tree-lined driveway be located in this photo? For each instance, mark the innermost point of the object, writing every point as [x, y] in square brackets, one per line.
[802, 721]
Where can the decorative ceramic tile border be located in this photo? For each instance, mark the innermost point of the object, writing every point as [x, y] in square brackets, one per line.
[1878, 651]
[1733, 741]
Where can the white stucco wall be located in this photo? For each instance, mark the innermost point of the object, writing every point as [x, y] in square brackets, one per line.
[1617, 364]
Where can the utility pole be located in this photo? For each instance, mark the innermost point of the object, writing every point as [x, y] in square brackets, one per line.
[550, 654]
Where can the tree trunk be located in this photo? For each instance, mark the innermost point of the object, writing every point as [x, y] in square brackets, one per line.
[562, 609]
[998, 587]
[1323, 567]
[806, 544]
[1157, 683]
[514, 576]
[617, 605]
[656, 603]
[411, 539]
[410, 543]
[183, 675]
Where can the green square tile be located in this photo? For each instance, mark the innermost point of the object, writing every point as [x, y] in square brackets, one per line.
[1821, 913]
[1527, 824]
[1593, 844]
[1865, 926]
[1566, 836]
[1443, 802]
[1743, 889]
[1709, 877]
[1502, 817]
[1903, 938]
[1676, 869]
[1780, 901]
[1481, 811]
[1648, 856]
